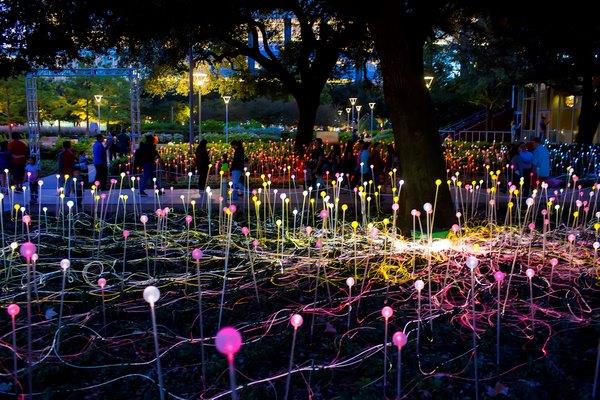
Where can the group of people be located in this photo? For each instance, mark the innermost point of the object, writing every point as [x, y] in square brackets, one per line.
[22, 168]
[530, 161]
[233, 171]
[353, 159]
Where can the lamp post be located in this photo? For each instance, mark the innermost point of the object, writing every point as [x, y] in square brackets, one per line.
[348, 114]
[340, 116]
[201, 78]
[358, 108]
[371, 106]
[226, 100]
[352, 103]
[98, 99]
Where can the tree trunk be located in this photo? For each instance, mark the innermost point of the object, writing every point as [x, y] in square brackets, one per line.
[308, 104]
[589, 116]
[87, 117]
[416, 137]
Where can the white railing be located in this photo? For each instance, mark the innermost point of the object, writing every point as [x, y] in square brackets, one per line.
[483, 136]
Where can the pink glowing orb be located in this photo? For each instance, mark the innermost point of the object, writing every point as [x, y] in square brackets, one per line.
[387, 312]
[102, 195]
[596, 245]
[144, 219]
[245, 231]
[166, 210]
[350, 282]
[112, 181]
[188, 219]
[399, 339]
[455, 228]
[13, 310]
[395, 207]
[228, 341]
[233, 208]
[126, 233]
[159, 213]
[255, 243]
[571, 238]
[554, 262]
[530, 273]
[413, 212]
[26, 219]
[97, 183]
[319, 244]
[101, 283]
[419, 285]
[296, 320]
[499, 276]
[531, 226]
[323, 214]
[196, 254]
[28, 249]
[308, 230]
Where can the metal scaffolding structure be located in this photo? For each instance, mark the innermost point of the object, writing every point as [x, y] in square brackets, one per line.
[33, 127]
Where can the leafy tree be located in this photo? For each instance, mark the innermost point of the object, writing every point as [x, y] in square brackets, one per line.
[12, 100]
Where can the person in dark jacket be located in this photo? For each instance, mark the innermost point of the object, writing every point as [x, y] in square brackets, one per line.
[66, 167]
[202, 162]
[5, 163]
[146, 156]
[237, 168]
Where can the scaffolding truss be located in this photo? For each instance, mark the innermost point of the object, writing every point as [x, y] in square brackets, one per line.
[33, 126]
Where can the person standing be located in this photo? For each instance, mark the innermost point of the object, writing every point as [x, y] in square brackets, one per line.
[100, 161]
[18, 150]
[5, 164]
[123, 143]
[146, 157]
[541, 160]
[237, 168]
[202, 162]
[66, 167]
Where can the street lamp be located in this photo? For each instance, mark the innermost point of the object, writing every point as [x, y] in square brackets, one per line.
[200, 78]
[358, 108]
[226, 100]
[340, 116]
[348, 112]
[352, 103]
[98, 98]
[428, 81]
[371, 106]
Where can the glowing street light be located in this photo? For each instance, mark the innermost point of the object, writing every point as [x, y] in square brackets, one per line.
[348, 114]
[353, 103]
[371, 106]
[98, 99]
[226, 100]
[428, 81]
[201, 79]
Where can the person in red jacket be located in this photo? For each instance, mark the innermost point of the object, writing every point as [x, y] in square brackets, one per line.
[18, 150]
[66, 167]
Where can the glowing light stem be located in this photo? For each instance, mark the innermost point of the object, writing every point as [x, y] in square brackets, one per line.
[156, 350]
[595, 387]
[229, 222]
[251, 258]
[201, 322]
[60, 310]
[14, 349]
[475, 371]
[498, 318]
[29, 351]
[289, 374]
[385, 361]
[232, 384]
